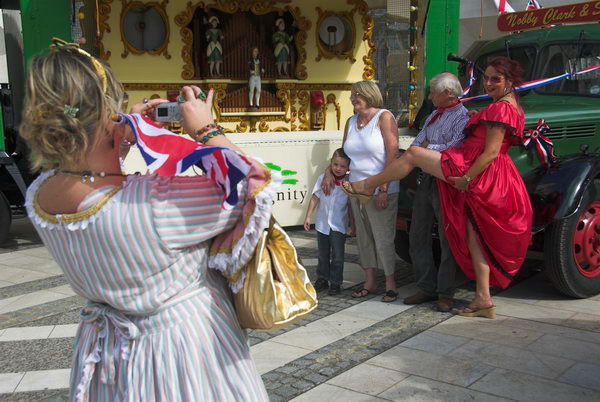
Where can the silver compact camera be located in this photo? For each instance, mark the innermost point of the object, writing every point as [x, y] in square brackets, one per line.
[167, 112]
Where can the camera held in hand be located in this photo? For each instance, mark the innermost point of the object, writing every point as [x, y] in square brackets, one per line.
[168, 113]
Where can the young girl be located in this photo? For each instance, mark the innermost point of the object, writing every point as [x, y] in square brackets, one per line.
[331, 224]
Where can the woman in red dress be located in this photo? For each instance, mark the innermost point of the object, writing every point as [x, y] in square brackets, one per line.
[486, 209]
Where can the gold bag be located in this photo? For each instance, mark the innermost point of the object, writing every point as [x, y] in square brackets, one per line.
[276, 291]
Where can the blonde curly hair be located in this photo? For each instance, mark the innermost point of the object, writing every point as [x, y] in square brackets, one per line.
[57, 82]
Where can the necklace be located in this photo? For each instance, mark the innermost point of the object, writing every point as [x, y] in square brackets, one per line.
[363, 123]
[89, 175]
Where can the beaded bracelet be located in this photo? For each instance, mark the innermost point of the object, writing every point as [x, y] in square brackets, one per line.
[202, 130]
[200, 135]
[205, 138]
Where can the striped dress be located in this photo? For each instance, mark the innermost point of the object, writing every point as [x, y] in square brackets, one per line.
[159, 324]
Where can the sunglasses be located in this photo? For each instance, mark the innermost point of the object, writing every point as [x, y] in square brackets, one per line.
[494, 79]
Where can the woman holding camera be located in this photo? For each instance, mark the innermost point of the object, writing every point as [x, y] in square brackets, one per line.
[159, 325]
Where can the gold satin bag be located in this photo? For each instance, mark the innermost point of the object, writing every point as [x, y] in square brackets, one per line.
[276, 291]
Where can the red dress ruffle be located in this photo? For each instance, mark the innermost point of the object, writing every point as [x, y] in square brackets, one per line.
[497, 203]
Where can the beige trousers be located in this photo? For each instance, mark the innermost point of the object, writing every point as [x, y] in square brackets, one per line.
[375, 233]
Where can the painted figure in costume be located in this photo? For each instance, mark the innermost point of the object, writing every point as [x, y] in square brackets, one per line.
[254, 80]
[282, 40]
[214, 50]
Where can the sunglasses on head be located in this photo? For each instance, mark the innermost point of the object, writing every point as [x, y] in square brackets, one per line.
[494, 79]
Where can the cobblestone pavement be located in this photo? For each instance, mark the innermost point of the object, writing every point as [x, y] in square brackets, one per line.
[541, 347]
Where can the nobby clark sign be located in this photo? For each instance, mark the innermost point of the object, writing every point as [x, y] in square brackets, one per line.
[580, 12]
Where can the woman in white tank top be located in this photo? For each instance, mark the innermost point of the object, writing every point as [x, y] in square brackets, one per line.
[371, 142]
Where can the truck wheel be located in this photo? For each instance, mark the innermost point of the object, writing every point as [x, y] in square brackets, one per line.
[5, 218]
[572, 248]
[402, 243]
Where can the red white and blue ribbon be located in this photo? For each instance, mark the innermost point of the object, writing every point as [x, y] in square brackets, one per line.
[537, 138]
[503, 7]
[538, 83]
[169, 154]
[533, 5]
[471, 74]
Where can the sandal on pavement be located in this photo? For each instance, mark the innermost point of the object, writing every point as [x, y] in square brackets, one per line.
[364, 292]
[389, 296]
[488, 312]
[349, 190]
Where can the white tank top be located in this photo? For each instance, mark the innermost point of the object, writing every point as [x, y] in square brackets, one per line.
[366, 150]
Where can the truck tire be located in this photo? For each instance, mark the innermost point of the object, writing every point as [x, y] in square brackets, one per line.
[5, 218]
[572, 248]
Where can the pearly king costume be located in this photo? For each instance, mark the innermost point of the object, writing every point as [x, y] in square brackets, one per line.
[160, 324]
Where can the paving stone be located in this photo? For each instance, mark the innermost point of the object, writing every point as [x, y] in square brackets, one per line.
[302, 385]
[271, 385]
[32, 286]
[584, 375]
[288, 369]
[524, 387]
[316, 378]
[42, 354]
[286, 391]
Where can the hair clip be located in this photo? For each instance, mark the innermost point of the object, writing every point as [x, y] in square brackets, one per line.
[71, 110]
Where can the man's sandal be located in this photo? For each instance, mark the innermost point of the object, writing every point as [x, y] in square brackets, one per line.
[389, 296]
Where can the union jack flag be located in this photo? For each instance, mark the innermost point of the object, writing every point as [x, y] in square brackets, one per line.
[169, 154]
[533, 5]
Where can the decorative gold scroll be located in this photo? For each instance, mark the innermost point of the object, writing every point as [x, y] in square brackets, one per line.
[103, 14]
[338, 110]
[368, 24]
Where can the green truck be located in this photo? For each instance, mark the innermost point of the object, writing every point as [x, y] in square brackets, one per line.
[566, 196]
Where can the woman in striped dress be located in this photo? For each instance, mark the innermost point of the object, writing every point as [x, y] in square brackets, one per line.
[159, 324]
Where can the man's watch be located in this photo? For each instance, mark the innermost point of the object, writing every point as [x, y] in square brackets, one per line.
[468, 179]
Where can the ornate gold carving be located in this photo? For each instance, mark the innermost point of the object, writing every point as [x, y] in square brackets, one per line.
[102, 26]
[237, 119]
[183, 19]
[257, 7]
[293, 113]
[280, 129]
[161, 9]
[303, 99]
[362, 7]
[242, 127]
[343, 50]
[313, 86]
[173, 86]
[282, 95]
[219, 95]
[338, 110]
[263, 126]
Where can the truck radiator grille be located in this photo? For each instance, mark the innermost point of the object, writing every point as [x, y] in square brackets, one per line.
[581, 130]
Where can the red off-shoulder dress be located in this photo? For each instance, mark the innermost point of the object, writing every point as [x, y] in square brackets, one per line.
[496, 203]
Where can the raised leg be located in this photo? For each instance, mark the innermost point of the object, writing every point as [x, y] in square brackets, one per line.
[426, 159]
